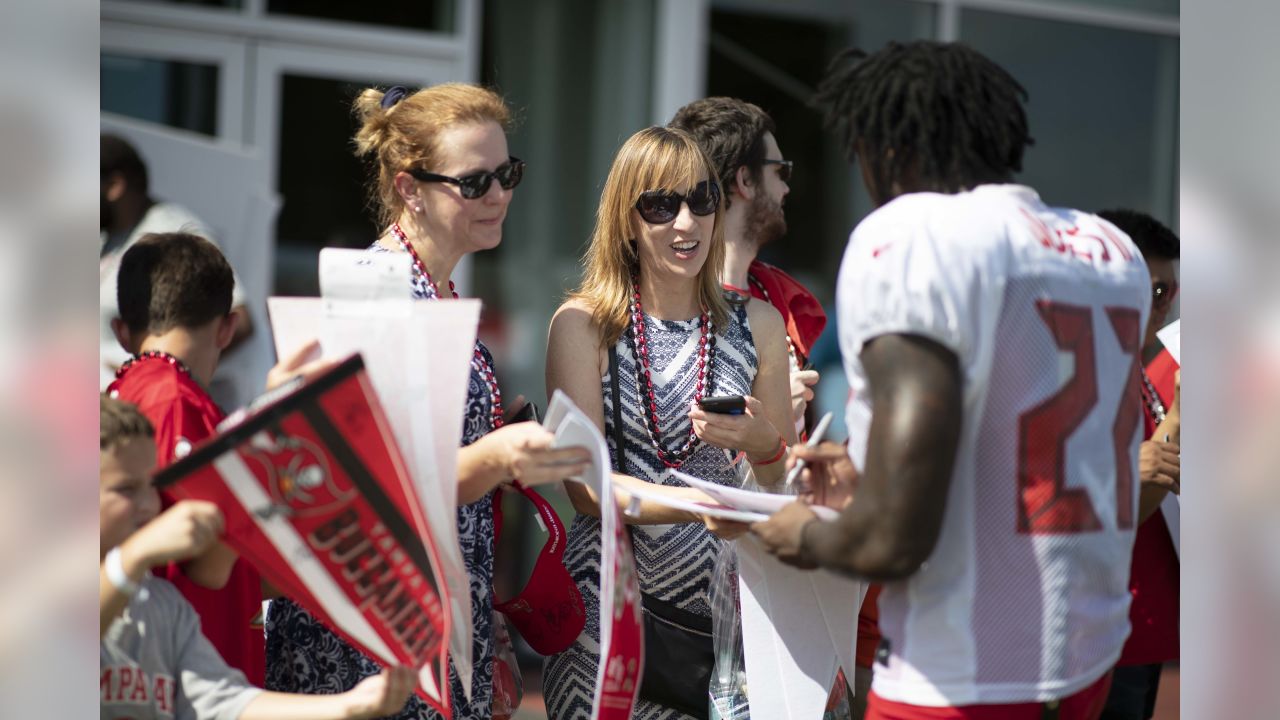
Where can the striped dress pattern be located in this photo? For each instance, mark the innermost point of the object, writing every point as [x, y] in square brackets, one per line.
[673, 562]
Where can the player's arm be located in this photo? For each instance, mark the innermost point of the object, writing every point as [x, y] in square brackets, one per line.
[893, 525]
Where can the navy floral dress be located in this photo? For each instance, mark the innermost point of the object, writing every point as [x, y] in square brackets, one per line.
[305, 656]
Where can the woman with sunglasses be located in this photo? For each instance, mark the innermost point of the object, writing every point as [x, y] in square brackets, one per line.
[651, 297]
[442, 182]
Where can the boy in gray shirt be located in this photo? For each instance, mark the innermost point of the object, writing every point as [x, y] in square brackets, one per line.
[154, 661]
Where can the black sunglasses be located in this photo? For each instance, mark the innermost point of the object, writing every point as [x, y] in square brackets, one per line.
[477, 185]
[784, 168]
[659, 207]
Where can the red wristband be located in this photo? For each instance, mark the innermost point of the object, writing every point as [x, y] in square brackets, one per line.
[782, 450]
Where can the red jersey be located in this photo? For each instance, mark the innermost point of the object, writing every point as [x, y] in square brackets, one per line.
[868, 628]
[1155, 574]
[801, 311]
[184, 415]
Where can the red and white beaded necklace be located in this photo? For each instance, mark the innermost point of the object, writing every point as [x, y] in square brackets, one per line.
[478, 361]
[153, 355]
[644, 378]
[1154, 404]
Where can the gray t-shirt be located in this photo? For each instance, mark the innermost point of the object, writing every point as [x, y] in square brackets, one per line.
[156, 663]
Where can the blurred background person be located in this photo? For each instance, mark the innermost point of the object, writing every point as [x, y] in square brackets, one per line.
[129, 212]
[1155, 574]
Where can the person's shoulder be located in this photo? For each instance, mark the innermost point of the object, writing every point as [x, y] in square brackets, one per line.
[574, 316]
[765, 319]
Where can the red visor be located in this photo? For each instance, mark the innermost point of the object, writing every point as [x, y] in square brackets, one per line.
[548, 613]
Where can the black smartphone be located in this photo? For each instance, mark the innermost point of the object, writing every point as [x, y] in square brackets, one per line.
[724, 404]
[528, 412]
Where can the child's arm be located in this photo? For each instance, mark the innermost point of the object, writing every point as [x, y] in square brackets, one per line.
[183, 530]
[212, 568]
[374, 697]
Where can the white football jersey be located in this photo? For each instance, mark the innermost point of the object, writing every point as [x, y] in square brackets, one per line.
[1025, 598]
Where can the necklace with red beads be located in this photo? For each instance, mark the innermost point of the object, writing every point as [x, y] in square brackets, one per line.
[644, 379]
[153, 355]
[1154, 404]
[479, 362]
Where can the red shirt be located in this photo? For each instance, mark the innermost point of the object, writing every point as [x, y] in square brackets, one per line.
[183, 413]
[1155, 574]
[868, 628]
[801, 311]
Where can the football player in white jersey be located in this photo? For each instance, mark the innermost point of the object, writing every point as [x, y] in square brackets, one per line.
[992, 348]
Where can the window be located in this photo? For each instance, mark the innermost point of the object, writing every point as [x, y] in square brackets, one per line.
[178, 94]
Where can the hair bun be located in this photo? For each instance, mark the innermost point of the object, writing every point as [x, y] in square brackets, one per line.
[393, 96]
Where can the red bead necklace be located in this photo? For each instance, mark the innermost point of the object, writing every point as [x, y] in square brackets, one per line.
[153, 355]
[478, 361]
[644, 379]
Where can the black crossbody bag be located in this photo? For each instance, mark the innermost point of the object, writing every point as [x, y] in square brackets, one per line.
[679, 653]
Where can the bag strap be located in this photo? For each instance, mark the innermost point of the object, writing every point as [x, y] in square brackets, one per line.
[619, 441]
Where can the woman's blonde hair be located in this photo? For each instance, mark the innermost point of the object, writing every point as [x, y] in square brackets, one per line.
[656, 158]
[406, 133]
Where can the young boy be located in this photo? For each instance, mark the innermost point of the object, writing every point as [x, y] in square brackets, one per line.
[153, 660]
[174, 293]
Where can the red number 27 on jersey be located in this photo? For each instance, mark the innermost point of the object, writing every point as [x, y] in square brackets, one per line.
[1045, 505]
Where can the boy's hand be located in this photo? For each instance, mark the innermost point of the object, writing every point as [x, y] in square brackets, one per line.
[304, 362]
[381, 695]
[181, 532]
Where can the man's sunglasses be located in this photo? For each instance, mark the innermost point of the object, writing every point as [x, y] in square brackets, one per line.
[784, 168]
[477, 185]
[659, 207]
[1162, 294]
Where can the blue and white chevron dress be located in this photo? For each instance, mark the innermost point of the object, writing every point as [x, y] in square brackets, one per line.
[674, 562]
[305, 656]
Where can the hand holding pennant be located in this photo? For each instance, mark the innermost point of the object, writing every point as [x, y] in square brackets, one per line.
[621, 630]
[316, 495]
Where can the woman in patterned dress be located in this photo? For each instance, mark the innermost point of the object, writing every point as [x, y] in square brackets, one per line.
[674, 267]
[443, 180]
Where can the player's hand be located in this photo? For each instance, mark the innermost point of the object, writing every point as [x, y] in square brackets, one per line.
[802, 382]
[783, 535]
[183, 531]
[829, 477]
[1160, 464]
[525, 454]
[380, 695]
[298, 365]
[750, 432]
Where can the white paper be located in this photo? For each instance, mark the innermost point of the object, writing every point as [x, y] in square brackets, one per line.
[712, 509]
[347, 274]
[1171, 337]
[418, 357]
[798, 628]
[572, 428]
[760, 504]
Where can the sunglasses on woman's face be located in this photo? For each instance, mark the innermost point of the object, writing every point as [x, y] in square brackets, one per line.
[659, 207]
[477, 185]
[784, 168]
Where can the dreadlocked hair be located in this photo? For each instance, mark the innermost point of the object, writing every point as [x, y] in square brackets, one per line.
[926, 115]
